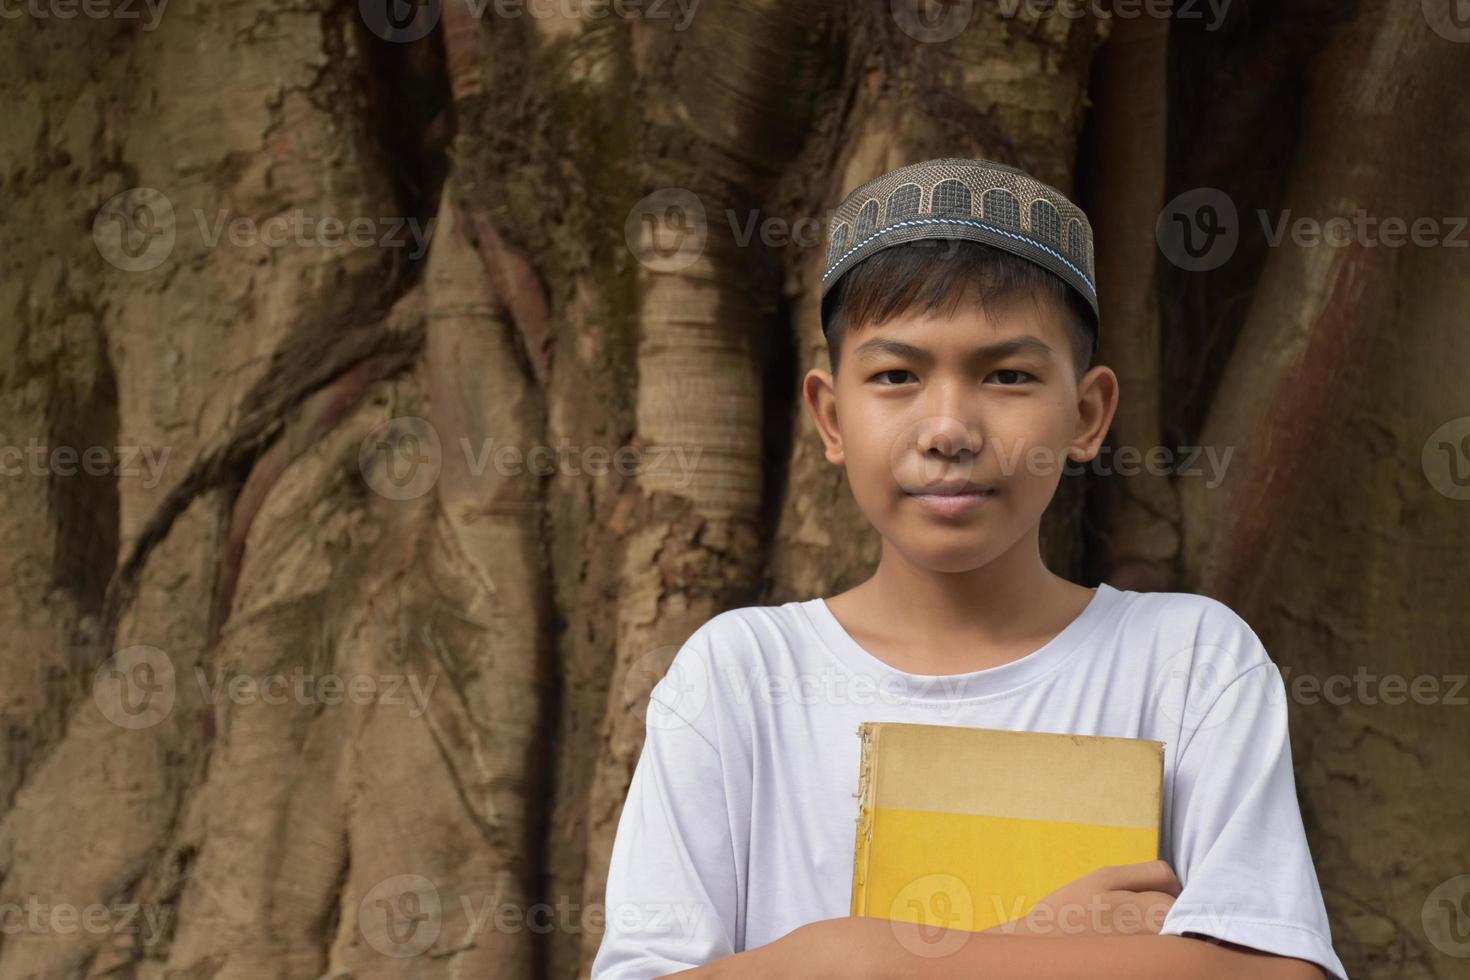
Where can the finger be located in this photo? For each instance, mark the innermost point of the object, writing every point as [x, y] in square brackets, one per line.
[1146, 876]
[1155, 899]
[1156, 906]
[1134, 913]
[1141, 900]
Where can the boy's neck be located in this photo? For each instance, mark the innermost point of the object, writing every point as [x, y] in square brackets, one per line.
[931, 622]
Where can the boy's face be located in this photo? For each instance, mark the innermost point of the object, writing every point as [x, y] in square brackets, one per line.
[954, 431]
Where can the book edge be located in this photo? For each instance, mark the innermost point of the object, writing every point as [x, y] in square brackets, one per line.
[867, 732]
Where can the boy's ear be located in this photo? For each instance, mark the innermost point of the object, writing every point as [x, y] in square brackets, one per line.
[819, 391]
[1097, 402]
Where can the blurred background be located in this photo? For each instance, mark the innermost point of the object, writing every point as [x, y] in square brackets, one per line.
[388, 390]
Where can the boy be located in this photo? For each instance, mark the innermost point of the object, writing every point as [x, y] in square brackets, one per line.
[961, 319]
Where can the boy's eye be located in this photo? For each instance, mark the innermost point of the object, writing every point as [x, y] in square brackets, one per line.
[1011, 376]
[882, 375]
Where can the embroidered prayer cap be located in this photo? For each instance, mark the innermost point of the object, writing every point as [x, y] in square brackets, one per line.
[976, 200]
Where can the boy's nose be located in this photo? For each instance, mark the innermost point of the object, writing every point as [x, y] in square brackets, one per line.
[933, 449]
[946, 436]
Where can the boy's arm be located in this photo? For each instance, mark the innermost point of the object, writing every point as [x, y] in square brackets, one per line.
[1234, 834]
[855, 948]
[1091, 927]
[1234, 828]
[672, 895]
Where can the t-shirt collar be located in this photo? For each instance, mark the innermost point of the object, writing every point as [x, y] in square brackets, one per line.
[988, 682]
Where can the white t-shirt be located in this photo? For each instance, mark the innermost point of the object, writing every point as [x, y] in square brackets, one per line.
[740, 818]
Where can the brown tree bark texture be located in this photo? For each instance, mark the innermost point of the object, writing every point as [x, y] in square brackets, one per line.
[552, 309]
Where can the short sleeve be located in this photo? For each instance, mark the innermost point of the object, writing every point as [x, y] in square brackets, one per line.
[671, 901]
[1235, 832]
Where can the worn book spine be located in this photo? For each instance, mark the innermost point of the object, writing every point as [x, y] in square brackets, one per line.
[864, 842]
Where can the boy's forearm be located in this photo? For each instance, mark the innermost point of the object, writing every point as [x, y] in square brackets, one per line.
[856, 948]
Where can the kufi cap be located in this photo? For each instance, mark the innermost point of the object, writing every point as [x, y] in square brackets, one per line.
[976, 200]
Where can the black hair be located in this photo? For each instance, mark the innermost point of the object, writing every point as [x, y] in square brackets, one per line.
[935, 273]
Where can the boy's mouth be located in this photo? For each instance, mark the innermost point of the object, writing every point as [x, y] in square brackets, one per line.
[952, 500]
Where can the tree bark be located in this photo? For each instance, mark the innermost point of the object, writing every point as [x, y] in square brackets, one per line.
[1326, 534]
[517, 467]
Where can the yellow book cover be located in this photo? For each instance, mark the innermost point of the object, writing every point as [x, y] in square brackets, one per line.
[969, 828]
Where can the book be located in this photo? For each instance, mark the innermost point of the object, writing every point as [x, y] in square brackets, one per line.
[968, 828]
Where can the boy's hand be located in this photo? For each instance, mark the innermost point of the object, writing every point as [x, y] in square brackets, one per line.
[822, 950]
[1118, 900]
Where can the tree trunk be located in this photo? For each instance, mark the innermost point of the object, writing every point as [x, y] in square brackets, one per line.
[494, 462]
[1332, 532]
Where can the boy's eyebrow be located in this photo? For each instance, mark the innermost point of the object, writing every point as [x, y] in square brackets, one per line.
[879, 346]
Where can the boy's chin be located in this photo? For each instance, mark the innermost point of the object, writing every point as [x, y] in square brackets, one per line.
[947, 557]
